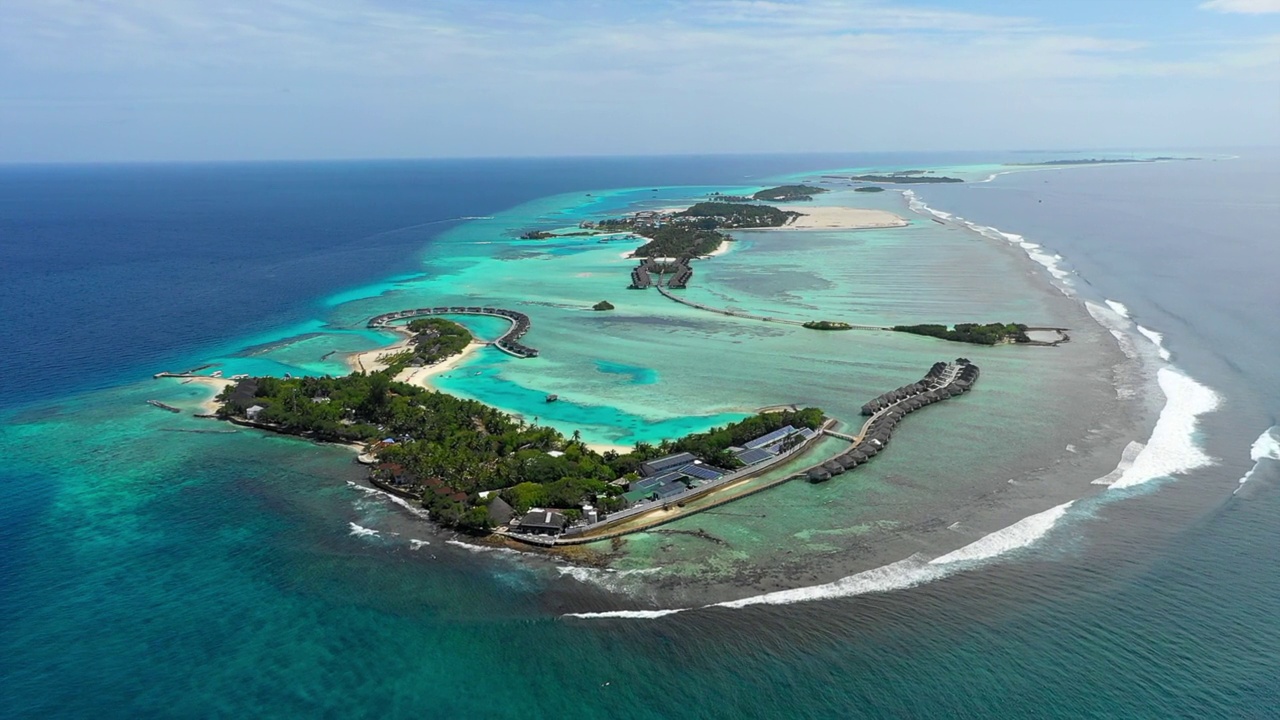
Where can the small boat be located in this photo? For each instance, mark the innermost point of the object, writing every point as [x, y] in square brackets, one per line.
[552, 398]
[216, 374]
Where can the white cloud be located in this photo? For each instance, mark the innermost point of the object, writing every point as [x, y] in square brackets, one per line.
[1248, 7]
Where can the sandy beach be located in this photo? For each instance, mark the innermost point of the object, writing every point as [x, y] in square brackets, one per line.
[843, 218]
[215, 385]
[370, 360]
[421, 376]
[609, 447]
[724, 248]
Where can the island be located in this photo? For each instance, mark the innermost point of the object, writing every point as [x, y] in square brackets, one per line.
[1098, 161]
[828, 325]
[474, 467]
[905, 178]
[788, 193]
[602, 305]
[989, 334]
[432, 340]
[869, 189]
[696, 230]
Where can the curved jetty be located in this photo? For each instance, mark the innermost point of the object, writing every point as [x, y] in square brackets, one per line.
[944, 380]
[508, 343]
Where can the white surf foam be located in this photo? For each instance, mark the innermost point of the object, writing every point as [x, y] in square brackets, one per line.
[901, 575]
[1158, 340]
[486, 549]
[639, 614]
[1120, 308]
[420, 512]
[1050, 261]
[1018, 535]
[1172, 447]
[1127, 456]
[1115, 324]
[1266, 447]
[415, 544]
[361, 531]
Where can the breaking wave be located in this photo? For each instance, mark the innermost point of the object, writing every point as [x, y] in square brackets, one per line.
[1119, 307]
[361, 531]
[420, 512]
[1127, 456]
[415, 544]
[486, 549]
[640, 614]
[1158, 340]
[1172, 447]
[901, 575]
[1266, 447]
[1050, 261]
[1018, 535]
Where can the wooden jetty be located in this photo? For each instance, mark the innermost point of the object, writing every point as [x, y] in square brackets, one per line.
[508, 343]
[162, 406]
[944, 380]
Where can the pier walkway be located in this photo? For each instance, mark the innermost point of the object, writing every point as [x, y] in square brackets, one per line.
[943, 381]
[508, 343]
[749, 316]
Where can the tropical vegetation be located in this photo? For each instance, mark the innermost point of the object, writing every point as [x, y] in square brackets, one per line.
[989, 334]
[446, 451]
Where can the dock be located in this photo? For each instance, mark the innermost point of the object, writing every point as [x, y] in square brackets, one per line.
[509, 343]
[944, 380]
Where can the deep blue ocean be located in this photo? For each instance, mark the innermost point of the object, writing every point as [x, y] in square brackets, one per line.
[164, 571]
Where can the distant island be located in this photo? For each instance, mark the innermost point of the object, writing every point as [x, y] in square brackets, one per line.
[989, 334]
[695, 231]
[787, 193]
[1098, 161]
[602, 305]
[905, 178]
[869, 188]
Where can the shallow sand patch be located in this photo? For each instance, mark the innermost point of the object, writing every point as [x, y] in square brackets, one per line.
[843, 218]
[371, 360]
[216, 386]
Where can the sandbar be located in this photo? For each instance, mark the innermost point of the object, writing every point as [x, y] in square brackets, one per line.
[216, 384]
[371, 360]
[843, 218]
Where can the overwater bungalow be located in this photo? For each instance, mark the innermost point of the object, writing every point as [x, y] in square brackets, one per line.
[817, 475]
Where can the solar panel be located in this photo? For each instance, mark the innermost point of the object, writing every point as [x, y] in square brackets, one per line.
[702, 472]
[751, 457]
[771, 437]
[665, 478]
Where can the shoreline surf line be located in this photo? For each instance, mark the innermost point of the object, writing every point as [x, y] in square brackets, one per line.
[904, 574]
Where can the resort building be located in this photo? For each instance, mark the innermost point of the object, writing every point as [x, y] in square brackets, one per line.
[542, 522]
[771, 444]
[670, 462]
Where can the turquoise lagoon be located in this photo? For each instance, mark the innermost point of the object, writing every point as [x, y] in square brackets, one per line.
[653, 369]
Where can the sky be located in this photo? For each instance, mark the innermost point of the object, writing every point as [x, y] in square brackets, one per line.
[161, 80]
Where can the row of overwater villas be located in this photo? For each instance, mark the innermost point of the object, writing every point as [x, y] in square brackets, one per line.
[520, 323]
[909, 398]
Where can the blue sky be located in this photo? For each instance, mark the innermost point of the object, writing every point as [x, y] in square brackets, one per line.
[146, 80]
